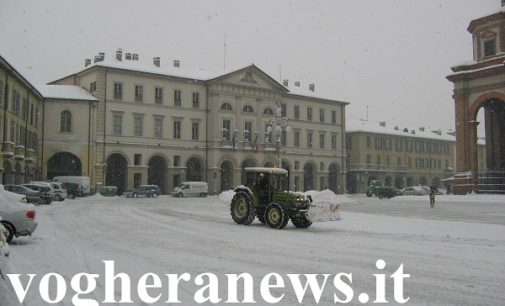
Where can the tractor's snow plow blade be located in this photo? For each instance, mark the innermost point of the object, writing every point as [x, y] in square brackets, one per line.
[324, 212]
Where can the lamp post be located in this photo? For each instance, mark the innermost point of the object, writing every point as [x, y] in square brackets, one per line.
[281, 125]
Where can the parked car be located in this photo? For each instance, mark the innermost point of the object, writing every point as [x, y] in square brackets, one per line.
[47, 192]
[148, 191]
[437, 192]
[32, 196]
[415, 190]
[60, 193]
[188, 189]
[81, 181]
[73, 190]
[18, 218]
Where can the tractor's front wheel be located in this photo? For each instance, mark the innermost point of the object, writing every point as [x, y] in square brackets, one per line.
[301, 222]
[242, 210]
[276, 216]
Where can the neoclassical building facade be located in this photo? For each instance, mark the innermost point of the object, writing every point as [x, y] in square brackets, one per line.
[479, 85]
[21, 105]
[155, 124]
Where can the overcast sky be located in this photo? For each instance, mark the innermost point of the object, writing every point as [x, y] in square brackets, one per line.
[390, 55]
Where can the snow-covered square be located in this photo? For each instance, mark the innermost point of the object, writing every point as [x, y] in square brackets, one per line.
[454, 252]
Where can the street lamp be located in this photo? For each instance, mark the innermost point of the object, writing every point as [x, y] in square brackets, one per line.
[281, 125]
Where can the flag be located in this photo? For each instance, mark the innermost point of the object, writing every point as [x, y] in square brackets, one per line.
[233, 140]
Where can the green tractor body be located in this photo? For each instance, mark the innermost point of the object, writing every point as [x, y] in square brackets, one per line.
[266, 196]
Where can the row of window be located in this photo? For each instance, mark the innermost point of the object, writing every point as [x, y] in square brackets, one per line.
[400, 145]
[159, 95]
[20, 135]
[420, 163]
[20, 106]
[138, 127]
[283, 112]
[177, 101]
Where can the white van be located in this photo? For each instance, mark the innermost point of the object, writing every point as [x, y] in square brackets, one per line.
[81, 181]
[191, 189]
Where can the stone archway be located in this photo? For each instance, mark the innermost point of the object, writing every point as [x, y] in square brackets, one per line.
[491, 179]
[334, 170]
[8, 175]
[157, 172]
[245, 178]
[399, 182]
[309, 176]
[18, 176]
[63, 164]
[116, 172]
[226, 175]
[194, 170]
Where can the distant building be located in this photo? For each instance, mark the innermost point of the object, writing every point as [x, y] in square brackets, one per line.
[397, 156]
[164, 124]
[480, 85]
[20, 125]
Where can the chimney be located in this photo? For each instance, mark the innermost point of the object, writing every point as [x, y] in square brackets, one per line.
[312, 87]
[422, 129]
[177, 63]
[438, 132]
[382, 123]
[297, 83]
[156, 61]
[135, 56]
[128, 56]
[119, 55]
[413, 132]
[97, 59]
[396, 128]
[405, 130]
[102, 56]
[285, 83]
[87, 62]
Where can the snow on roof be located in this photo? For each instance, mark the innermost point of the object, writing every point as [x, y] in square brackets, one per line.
[194, 74]
[67, 92]
[375, 127]
[305, 92]
[166, 70]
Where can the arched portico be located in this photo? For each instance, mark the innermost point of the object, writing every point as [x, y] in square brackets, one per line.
[492, 178]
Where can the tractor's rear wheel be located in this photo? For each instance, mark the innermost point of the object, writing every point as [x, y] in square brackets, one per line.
[301, 222]
[242, 210]
[276, 216]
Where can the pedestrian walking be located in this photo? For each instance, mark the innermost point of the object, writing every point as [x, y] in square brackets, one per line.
[433, 191]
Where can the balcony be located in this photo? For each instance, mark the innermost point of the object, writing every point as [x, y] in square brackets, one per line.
[30, 155]
[19, 152]
[376, 168]
[8, 149]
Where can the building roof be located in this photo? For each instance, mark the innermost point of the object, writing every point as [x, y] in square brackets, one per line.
[66, 92]
[19, 76]
[193, 74]
[377, 128]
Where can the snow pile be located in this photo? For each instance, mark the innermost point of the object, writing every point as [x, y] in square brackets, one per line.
[327, 197]
[226, 196]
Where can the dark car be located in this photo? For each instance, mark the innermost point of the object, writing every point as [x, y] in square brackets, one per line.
[32, 196]
[73, 190]
[47, 193]
[148, 191]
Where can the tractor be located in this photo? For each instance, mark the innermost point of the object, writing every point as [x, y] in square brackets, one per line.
[266, 196]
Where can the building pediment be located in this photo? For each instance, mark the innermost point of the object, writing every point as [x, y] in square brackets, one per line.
[250, 76]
